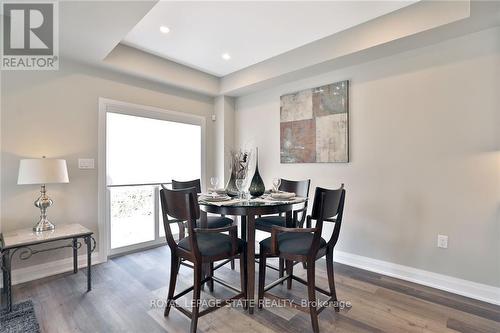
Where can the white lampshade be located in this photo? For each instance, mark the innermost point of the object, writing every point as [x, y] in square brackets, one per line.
[42, 171]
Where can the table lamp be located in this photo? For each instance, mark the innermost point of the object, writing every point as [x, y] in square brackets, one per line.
[43, 171]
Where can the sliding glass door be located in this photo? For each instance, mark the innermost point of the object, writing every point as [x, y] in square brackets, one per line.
[145, 149]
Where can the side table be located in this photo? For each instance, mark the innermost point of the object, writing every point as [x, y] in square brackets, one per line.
[21, 241]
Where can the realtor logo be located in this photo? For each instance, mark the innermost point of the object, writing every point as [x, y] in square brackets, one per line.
[30, 36]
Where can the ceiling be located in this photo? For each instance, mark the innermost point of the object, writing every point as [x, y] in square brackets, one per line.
[250, 32]
[86, 32]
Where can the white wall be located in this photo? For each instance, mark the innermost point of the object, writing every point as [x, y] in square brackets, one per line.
[223, 136]
[425, 155]
[55, 113]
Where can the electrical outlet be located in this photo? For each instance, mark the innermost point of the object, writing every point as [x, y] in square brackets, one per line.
[442, 241]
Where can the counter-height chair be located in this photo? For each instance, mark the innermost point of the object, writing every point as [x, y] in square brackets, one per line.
[212, 221]
[265, 223]
[306, 245]
[202, 247]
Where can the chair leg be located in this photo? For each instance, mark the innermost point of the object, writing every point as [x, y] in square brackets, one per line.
[232, 264]
[243, 276]
[262, 277]
[174, 269]
[312, 295]
[196, 298]
[331, 278]
[281, 268]
[211, 274]
[289, 271]
[308, 225]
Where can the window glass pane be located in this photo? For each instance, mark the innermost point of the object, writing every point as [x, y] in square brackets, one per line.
[161, 227]
[144, 150]
[132, 215]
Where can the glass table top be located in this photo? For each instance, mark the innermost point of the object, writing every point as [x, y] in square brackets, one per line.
[253, 202]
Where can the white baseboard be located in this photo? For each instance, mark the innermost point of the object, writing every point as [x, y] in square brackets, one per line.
[451, 284]
[30, 273]
[454, 285]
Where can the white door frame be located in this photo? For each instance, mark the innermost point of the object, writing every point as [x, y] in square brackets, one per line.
[110, 105]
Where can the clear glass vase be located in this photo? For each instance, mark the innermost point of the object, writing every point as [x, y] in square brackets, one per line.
[239, 161]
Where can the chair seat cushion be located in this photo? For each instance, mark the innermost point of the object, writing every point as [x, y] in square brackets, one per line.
[269, 221]
[214, 222]
[293, 242]
[211, 244]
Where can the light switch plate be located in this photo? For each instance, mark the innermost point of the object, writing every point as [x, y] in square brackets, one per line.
[85, 163]
[442, 241]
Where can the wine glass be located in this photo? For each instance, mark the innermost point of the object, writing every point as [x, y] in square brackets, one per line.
[276, 184]
[239, 185]
[214, 181]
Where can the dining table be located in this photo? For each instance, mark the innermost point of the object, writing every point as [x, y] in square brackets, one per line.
[247, 210]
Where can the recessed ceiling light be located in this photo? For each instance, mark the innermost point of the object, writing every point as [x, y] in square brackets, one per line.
[164, 29]
[226, 56]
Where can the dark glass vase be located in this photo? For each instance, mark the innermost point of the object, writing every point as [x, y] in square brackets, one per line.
[257, 187]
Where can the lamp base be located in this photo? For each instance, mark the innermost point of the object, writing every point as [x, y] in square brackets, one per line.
[43, 202]
[44, 225]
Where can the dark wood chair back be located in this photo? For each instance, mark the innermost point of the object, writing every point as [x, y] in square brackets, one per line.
[328, 206]
[178, 185]
[327, 203]
[299, 187]
[179, 205]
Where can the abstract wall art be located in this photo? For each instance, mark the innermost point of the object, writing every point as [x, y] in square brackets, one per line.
[314, 125]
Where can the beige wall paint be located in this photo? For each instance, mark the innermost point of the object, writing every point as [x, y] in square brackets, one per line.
[424, 150]
[142, 64]
[55, 113]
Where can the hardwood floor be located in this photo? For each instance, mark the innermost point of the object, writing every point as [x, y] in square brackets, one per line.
[129, 292]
